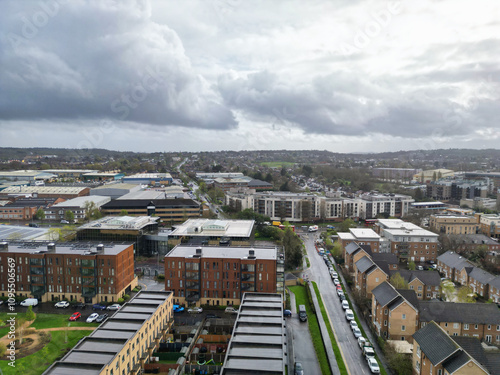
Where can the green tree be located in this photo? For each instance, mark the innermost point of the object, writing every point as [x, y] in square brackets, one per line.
[412, 266]
[54, 234]
[123, 212]
[40, 214]
[30, 315]
[92, 212]
[398, 282]
[69, 216]
[293, 249]
[249, 214]
[465, 294]
[307, 170]
[345, 225]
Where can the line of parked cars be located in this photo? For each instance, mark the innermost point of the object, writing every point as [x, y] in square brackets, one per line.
[364, 344]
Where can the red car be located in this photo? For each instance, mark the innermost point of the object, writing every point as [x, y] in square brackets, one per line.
[75, 316]
[339, 287]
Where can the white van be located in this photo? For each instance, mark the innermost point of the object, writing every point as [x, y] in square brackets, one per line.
[29, 302]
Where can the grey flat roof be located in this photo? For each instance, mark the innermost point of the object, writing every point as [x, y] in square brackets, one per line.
[262, 330]
[60, 368]
[271, 340]
[124, 326]
[259, 318]
[101, 346]
[82, 357]
[267, 298]
[111, 334]
[137, 309]
[257, 352]
[120, 315]
[21, 233]
[259, 312]
[255, 364]
[223, 252]
[210, 227]
[272, 305]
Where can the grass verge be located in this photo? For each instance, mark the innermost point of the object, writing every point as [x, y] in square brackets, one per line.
[37, 363]
[43, 321]
[312, 321]
[336, 348]
[308, 263]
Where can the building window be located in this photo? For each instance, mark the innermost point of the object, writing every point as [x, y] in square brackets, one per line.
[403, 328]
[403, 316]
[466, 326]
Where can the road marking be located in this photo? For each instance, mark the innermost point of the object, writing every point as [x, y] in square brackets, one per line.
[145, 286]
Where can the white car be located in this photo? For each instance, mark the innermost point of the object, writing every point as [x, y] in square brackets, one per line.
[353, 324]
[114, 306]
[334, 275]
[92, 317]
[231, 310]
[345, 304]
[368, 352]
[349, 315]
[373, 365]
[361, 342]
[336, 282]
[356, 332]
[195, 310]
[62, 304]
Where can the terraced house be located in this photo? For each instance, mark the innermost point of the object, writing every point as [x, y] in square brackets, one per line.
[437, 353]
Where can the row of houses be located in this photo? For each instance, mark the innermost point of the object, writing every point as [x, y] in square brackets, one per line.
[487, 224]
[460, 270]
[398, 313]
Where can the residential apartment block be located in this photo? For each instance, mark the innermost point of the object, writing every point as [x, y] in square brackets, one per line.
[426, 284]
[69, 271]
[490, 225]
[455, 190]
[454, 224]
[372, 270]
[77, 206]
[216, 275]
[25, 208]
[125, 342]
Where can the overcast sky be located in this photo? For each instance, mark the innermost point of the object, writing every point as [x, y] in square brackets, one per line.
[344, 75]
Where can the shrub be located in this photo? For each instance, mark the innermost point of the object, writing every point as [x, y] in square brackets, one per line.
[30, 315]
[160, 277]
[120, 300]
[126, 297]
[3, 349]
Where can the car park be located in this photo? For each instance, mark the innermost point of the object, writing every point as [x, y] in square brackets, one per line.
[92, 317]
[98, 306]
[114, 306]
[287, 313]
[336, 282]
[195, 310]
[101, 318]
[62, 304]
[345, 304]
[75, 316]
[356, 332]
[373, 365]
[349, 315]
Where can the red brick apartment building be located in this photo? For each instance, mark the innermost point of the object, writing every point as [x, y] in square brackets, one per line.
[216, 275]
[68, 271]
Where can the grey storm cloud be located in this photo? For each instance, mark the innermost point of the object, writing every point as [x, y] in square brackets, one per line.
[94, 60]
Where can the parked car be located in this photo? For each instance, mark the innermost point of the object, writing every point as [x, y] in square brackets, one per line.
[356, 332]
[64, 222]
[373, 365]
[345, 304]
[420, 268]
[92, 317]
[287, 313]
[334, 275]
[342, 297]
[101, 318]
[340, 292]
[298, 369]
[349, 315]
[178, 309]
[29, 302]
[62, 304]
[195, 310]
[368, 351]
[336, 282]
[114, 306]
[80, 306]
[231, 310]
[213, 316]
[75, 316]
[98, 306]
[353, 324]
[362, 342]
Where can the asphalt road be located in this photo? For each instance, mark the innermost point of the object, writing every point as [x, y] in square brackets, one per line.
[318, 272]
[303, 349]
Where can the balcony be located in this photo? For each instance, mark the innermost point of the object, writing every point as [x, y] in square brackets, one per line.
[192, 285]
[248, 277]
[247, 287]
[247, 269]
[193, 297]
[192, 276]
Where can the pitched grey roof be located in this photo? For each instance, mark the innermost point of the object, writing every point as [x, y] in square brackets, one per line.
[454, 260]
[495, 282]
[471, 313]
[364, 264]
[493, 362]
[367, 248]
[435, 343]
[351, 247]
[384, 266]
[481, 275]
[473, 347]
[385, 257]
[384, 293]
[410, 296]
[456, 361]
[431, 278]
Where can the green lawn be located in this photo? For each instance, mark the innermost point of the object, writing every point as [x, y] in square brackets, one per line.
[59, 320]
[336, 349]
[301, 299]
[37, 363]
[307, 262]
